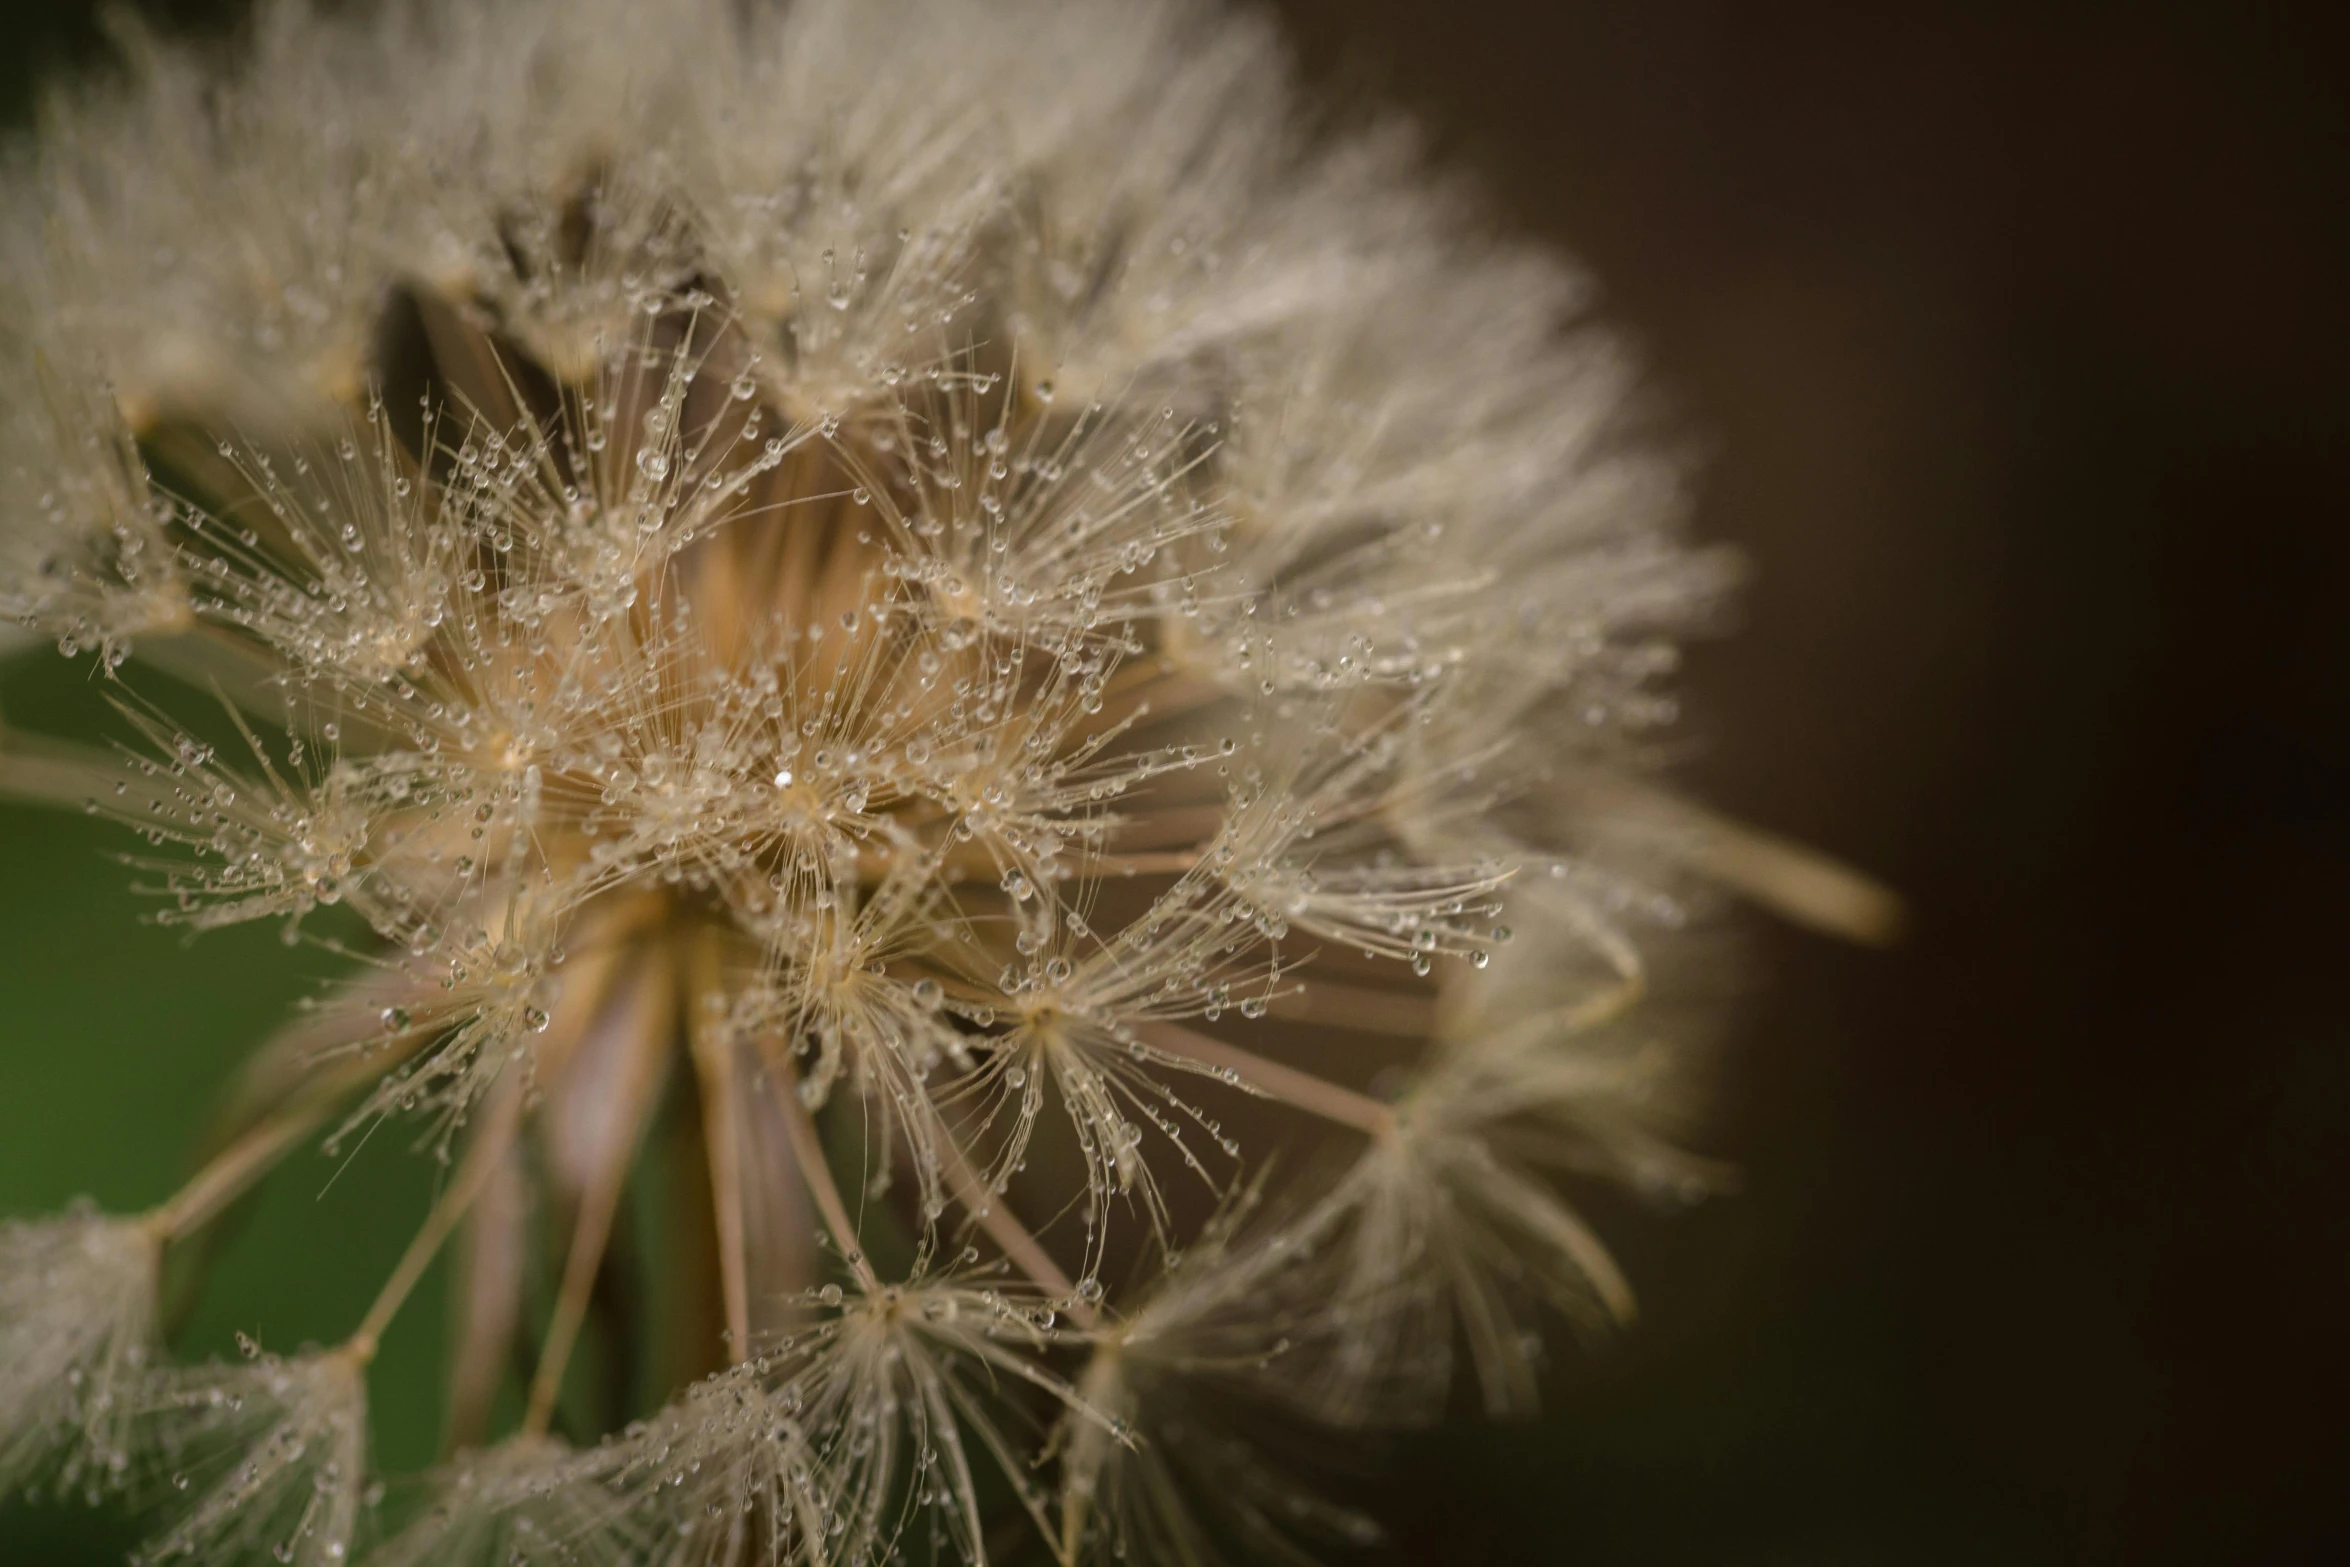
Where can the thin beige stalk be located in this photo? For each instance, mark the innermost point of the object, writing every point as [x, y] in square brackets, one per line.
[808, 1149]
[715, 1070]
[233, 1170]
[592, 1229]
[1172, 862]
[1299, 1090]
[1326, 1003]
[1002, 1226]
[1799, 883]
[481, 1161]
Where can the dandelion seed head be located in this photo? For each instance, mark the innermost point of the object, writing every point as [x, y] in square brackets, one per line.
[934, 602]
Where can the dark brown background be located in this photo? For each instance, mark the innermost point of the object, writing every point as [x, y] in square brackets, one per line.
[2017, 335]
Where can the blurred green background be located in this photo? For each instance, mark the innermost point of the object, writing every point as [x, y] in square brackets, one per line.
[2016, 335]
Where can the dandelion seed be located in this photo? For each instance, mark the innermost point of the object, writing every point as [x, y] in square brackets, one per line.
[523, 1502]
[76, 1305]
[278, 1452]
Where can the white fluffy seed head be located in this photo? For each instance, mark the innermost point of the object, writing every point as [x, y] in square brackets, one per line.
[266, 1458]
[77, 1303]
[523, 1502]
[947, 575]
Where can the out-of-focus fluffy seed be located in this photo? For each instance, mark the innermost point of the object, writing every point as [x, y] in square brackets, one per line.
[77, 1302]
[272, 1453]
